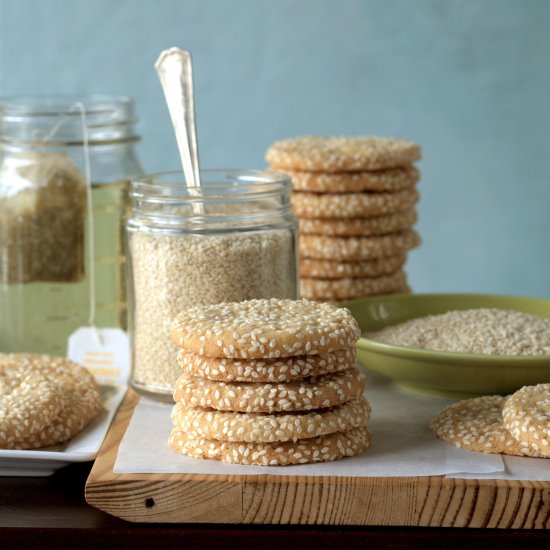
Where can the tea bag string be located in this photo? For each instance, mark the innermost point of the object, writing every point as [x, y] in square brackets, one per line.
[78, 106]
[90, 208]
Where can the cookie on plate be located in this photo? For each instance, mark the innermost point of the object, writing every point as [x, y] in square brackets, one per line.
[76, 393]
[28, 404]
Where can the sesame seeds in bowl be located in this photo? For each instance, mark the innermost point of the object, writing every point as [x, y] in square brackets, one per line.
[453, 374]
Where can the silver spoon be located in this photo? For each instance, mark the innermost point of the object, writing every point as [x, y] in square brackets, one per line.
[174, 69]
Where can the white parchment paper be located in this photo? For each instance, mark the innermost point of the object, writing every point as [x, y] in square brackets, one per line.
[402, 445]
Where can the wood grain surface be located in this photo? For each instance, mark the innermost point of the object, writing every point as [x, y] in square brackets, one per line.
[308, 500]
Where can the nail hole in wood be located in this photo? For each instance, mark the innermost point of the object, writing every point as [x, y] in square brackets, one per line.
[149, 503]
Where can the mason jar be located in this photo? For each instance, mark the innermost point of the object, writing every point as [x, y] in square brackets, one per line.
[50, 283]
[231, 239]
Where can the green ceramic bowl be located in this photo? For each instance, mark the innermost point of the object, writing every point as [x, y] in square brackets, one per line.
[445, 374]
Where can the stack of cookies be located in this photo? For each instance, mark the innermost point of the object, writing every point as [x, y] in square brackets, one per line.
[517, 425]
[355, 200]
[268, 382]
[44, 400]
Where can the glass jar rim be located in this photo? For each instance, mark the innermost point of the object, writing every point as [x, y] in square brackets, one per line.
[249, 182]
[109, 118]
[226, 198]
[58, 104]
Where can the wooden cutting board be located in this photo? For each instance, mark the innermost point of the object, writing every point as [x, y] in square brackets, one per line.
[405, 501]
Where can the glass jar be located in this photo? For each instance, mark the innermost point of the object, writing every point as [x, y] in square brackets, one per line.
[45, 282]
[232, 239]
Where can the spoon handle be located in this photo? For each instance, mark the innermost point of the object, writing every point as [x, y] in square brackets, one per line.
[174, 69]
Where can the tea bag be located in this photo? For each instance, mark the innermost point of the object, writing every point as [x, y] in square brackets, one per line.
[42, 217]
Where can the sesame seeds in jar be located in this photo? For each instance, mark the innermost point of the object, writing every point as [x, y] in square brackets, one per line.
[235, 241]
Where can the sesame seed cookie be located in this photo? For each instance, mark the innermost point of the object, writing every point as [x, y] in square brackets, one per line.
[310, 393]
[351, 205]
[261, 428]
[78, 389]
[342, 153]
[319, 449]
[28, 403]
[268, 329]
[329, 269]
[390, 179]
[265, 370]
[526, 414]
[476, 425]
[350, 249]
[358, 227]
[345, 289]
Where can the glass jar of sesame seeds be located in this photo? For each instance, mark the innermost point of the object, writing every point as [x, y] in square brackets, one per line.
[231, 239]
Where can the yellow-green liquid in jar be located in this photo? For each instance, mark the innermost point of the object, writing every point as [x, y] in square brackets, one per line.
[38, 317]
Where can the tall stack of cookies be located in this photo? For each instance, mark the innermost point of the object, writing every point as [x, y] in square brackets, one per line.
[355, 200]
[268, 382]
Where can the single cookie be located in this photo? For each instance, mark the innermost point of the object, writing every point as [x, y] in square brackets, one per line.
[78, 389]
[476, 425]
[347, 289]
[264, 329]
[349, 249]
[526, 415]
[316, 392]
[329, 269]
[342, 153]
[319, 449]
[390, 179]
[28, 404]
[358, 227]
[261, 428]
[265, 370]
[351, 205]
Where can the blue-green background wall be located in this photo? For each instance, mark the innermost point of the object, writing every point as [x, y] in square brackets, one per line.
[467, 79]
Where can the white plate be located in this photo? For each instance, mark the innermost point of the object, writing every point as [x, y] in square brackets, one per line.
[82, 448]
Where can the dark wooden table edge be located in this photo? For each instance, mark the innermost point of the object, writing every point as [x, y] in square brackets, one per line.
[268, 537]
[52, 513]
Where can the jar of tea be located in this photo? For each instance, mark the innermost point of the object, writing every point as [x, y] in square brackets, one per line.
[59, 269]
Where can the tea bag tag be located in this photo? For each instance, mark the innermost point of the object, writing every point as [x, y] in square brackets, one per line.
[105, 352]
